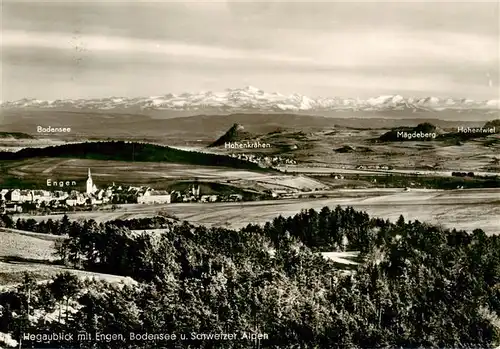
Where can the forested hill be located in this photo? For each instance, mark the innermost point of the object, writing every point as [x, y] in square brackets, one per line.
[129, 151]
[425, 128]
[15, 135]
[416, 285]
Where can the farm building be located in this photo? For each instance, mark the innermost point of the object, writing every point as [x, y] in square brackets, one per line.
[155, 197]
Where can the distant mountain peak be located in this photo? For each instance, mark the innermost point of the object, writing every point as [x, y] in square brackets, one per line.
[253, 99]
[251, 88]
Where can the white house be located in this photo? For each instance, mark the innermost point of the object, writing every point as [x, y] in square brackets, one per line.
[13, 195]
[42, 196]
[74, 200]
[235, 197]
[95, 201]
[58, 194]
[155, 197]
[13, 208]
[26, 196]
[209, 198]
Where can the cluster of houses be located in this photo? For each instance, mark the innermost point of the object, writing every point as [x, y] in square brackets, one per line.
[13, 200]
[375, 167]
[147, 195]
[265, 160]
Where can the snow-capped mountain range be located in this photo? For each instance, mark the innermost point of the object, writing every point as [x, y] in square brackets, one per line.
[254, 99]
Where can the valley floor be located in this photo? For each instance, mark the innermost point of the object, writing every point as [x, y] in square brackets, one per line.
[467, 209]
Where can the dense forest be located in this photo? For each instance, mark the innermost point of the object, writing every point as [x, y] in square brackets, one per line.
[64, 226]
[128, 151]
[417, 285]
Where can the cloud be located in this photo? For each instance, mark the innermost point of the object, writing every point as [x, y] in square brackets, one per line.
[120, 45]
[296, 46]
[380, 48]
[374, 49]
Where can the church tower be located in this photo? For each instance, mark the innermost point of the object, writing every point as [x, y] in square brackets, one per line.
[91, 188]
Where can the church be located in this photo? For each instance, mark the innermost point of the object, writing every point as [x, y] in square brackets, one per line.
[91, 187]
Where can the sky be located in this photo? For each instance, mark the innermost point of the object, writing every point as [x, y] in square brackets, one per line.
[89, 49]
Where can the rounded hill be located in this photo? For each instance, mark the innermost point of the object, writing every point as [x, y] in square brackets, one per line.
[129, 151]
[425, 128]
[493, 123]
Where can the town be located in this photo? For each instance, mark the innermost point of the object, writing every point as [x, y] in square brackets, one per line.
[22, 200]
[264, 161]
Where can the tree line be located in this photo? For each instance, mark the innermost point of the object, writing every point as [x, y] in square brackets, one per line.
[64, 226]
[417, 285]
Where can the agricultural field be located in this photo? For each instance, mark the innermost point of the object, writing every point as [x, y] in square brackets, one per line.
[316, 141]
[461, 209]
[22, 251]
[322, 170]
[35, 172]
[13, 144]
